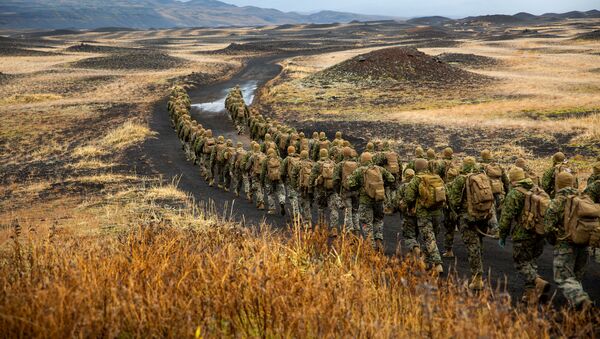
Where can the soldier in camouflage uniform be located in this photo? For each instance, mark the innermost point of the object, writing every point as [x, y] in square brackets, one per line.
[486, 162]
[238, 173]
[206, 146]
[410, 231]
[370, 148]
[419, 154]
[322, 143]
[450, 217]
[471, 229]
[593, 190]
[306, 191]
[427, 218]
[228, 164]
[529, 173]
[528, 246]
[268, 143]
[338, 141]
[273, 185]
[370, 211]
[383, 158]
[348, 197]
[548, 184]
[569, 259]
[291, 185]
[432, 161]
[217, 162]
[252, 165]
[446, 163]
[325, 196]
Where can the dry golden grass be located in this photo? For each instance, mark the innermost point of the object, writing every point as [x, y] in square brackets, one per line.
[128, 134]
[145, 268]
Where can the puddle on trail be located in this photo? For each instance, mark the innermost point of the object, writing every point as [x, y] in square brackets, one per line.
[248, 89]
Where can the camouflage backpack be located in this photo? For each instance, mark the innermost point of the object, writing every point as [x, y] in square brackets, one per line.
[283, 140]
[209, 144]
[292, 163]
[304, 175]
[327, 168]
[373, 180]
[494, 172]
[304, 145]
[432, 191]
[274, 168]
[240, 155]
[582, 220]
[324, 144]
[229, 154]
[534, 209]
[348, 167]
[480, 198]
[392, 164]
[259, 157]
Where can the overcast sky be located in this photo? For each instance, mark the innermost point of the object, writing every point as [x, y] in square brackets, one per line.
[411, 8]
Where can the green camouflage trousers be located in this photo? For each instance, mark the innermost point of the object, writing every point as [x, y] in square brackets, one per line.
[474, 243]
[274, 191]
[350, 205]
[294, 197]
[306, 207]
[205, 169]
[525, 255]
[410, 232]
[371, 216]
[328, 200]
[240, 181]
[450, 224]
[227, 176]
[569, 267]
[426, 227]
[257, 190]
[219, 173]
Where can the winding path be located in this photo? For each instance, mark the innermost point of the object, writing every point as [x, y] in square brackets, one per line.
[163, 155]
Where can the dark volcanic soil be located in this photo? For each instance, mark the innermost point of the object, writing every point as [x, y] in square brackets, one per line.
[147, 60]
[87, 48]
[593, 35]
[400, 64]
[469, 60]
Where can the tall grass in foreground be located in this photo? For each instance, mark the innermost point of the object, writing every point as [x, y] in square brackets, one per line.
[158, 280]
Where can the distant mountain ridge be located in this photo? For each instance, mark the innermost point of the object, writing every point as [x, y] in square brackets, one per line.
[90, 14]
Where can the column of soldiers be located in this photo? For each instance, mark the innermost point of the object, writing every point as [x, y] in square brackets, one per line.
[477, 198]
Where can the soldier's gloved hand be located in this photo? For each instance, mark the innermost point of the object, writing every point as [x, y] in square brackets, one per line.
[502, 242]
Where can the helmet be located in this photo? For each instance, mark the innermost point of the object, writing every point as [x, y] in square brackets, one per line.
[291, 150]
[271, 152]
[409, 174]
[268, 137]
[468, 163]
[448, 152]
[229, 142]
[315, 135]
[338, 135]
[366, 158]
[301, 134]
[256, 147]
[322, 135]
[419, 152]
[521, 163]
[486, 155]
[421, 164]
[430, 153]
[304, 154]
[516, 174]
[564, 179]
[209, 133]
[558, 157]
[239, 145]
[220, 139]
[323, 154]
[347, 152]
[370, 147]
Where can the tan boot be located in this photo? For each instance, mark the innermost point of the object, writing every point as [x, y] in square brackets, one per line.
[476, 283]
[260, 206]
[438, 269]
[448, 254]
[541, 288]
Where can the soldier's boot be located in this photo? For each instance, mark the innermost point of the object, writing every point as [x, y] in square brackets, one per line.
[476, 283]
[438, 269]
[249, 197]
[542, 287]
[211, 182]
[220, 186]
[448, 254]
[260, 205]
[226, 189]
[282, 207]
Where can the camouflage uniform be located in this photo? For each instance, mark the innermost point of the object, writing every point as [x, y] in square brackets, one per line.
[290, 184]
[471, 228]
[325, 198]
[548, 184]
[256, 184]
[273, 187]
[419, 153]
[450, 217]
[229, 163]
[593, 190]
[569, 259]
[410, 231]
[381, 159]
[238, 173]
[322, 143]
[217, 161]
[206, 149]
[427, 219]
[528, 246]
[370, 211]
[349, 198]
[306, 194]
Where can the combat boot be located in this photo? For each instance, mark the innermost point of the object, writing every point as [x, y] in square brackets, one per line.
[448, 254]
[211, 183]
[476, 283]
[542, 287]
[226, 189]
[260, 206]
[220, 186]
[249, 197]
[438, 269]
[282, 206]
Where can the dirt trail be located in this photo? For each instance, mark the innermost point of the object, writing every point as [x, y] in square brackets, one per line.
[163, 155]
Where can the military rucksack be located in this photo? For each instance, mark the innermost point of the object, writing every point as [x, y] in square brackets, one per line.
[304, 145]
[348, 167]
[326, 178]
[392, 164]
[304, 174]
[324, 144]
[432, 191]
[229, 154]
[480, 198]
[582, 220]
[562, 167]
[292, 163]
[259, 157]
[283, 140]
[240, 155]
[209, 144]
[221, 152]
[534, 209]
[494, 172]
[273, 169]
[373, 180]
